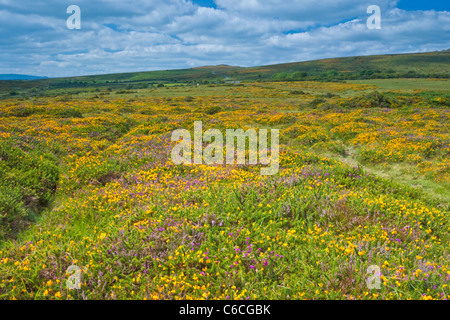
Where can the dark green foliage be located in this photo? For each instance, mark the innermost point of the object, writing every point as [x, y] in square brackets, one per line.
[370, 100]
[23, 111]
[297, 92]
[314, 103]
[13, 216]
[28, 181]
[69, 113]
[213, 110]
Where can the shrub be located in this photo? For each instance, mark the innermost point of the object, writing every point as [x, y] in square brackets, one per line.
[69, 113]
[316, 102]
[213, 110]
[295, 131]
[22, 111]
[12, 212]
[28, 181]
[370, 100]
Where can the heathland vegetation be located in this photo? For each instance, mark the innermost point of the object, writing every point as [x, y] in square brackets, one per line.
[87, 180]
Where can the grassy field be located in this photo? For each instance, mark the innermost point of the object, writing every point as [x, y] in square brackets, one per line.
[407, 85]
[87, 180]
[410, 66]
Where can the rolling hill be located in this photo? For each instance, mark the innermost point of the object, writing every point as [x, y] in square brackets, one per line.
[416, 65]
[19, 77]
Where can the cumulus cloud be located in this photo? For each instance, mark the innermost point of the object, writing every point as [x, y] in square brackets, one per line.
[126, 36]
[311, 11]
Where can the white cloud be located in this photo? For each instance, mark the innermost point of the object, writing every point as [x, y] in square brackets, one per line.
[125, 36]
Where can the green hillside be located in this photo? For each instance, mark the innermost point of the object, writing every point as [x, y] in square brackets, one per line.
[434, 64]
[413, 66]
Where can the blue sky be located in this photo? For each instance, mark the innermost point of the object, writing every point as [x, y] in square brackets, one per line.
[206, 3]
[142, 35]
[439, 5]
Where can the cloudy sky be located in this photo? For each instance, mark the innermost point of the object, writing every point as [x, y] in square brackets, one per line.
[143, 35]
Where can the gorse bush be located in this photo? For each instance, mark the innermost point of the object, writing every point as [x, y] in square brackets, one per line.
[316, 102]
[370, 100]
[69, 113]
[28, 181]
[13, 216]
[213, 110]
[91, 170]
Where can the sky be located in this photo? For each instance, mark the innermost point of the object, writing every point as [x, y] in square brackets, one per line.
[144, 35]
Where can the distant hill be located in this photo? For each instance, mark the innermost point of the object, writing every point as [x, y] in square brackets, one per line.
[19, 77]
[415, 65]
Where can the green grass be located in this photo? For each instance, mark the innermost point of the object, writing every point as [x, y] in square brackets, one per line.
[418, 65]
[406, 85]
